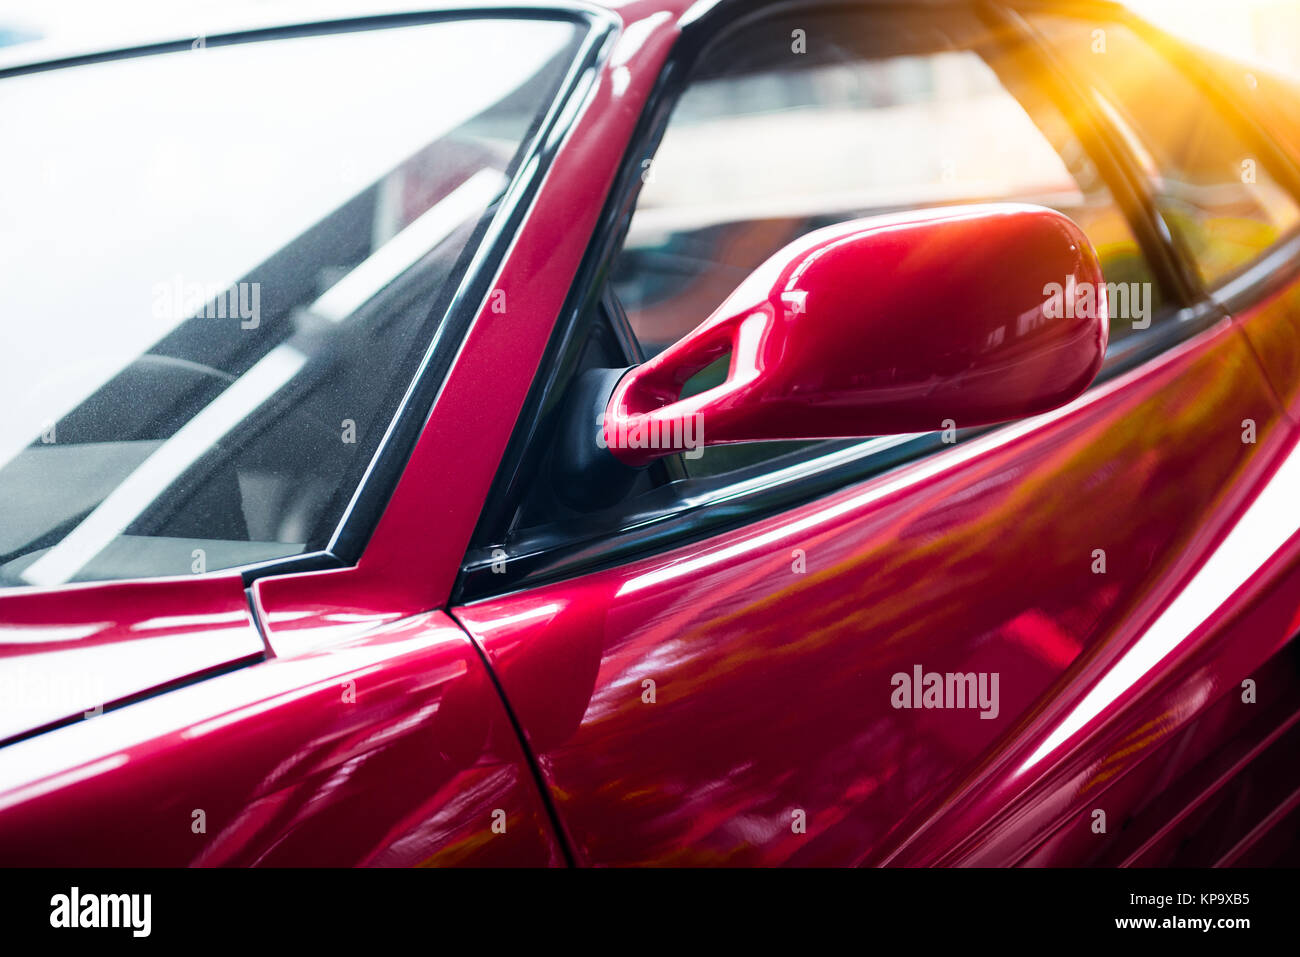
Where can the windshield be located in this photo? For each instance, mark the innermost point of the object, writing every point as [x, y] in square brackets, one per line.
[222, 269]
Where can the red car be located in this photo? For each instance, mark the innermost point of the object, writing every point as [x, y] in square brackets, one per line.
[672, 433]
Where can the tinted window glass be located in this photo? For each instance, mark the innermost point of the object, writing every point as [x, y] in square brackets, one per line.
[223, 268]
[1210, 184]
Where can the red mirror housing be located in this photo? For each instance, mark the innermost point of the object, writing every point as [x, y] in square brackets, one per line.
[891, 324]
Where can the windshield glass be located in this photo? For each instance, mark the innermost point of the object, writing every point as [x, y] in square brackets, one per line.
[222, 268]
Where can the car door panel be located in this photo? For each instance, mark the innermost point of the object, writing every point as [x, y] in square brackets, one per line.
[772, 648]
[1190, 770]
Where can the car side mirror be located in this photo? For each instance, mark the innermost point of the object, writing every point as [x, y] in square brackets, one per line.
[885, 325]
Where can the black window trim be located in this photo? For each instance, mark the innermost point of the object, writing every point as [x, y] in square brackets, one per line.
[686, 511]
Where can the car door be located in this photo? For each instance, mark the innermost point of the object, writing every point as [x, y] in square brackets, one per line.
[729, 666]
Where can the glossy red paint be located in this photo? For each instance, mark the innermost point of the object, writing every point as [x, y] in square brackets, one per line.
[389, 749]
[772, 686]
[893, 324]
[1165, 733]
[71, 650]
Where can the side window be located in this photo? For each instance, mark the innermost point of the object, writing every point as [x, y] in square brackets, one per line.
[1209, 183]
[793, 125]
